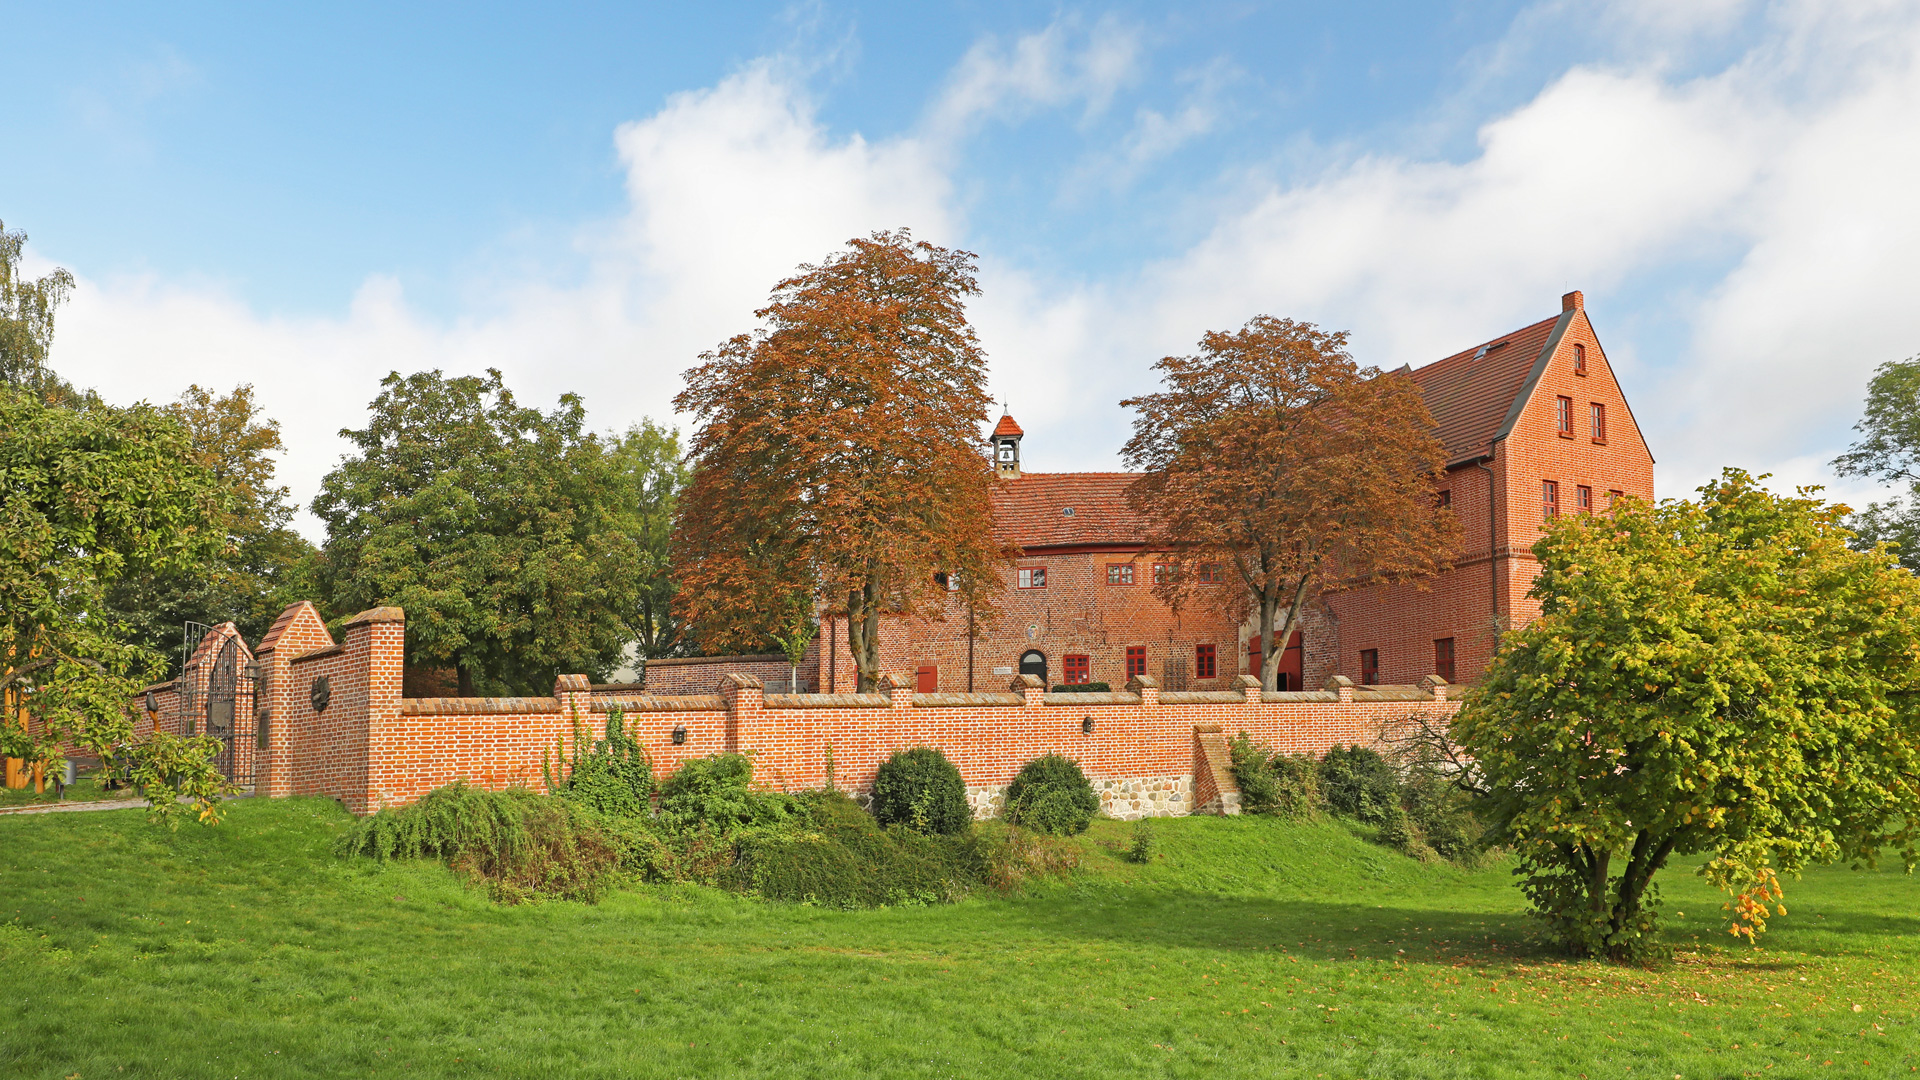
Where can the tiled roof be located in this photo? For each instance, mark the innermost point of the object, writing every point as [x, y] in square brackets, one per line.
[1006, 426]
[1031, 510]
[1471, 393]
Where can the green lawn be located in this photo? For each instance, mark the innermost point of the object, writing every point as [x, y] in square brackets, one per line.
[1250, 948]
[86, 788]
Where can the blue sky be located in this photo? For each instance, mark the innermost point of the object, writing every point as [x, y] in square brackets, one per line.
[587, 196]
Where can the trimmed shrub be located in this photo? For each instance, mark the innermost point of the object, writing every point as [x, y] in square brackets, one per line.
[1083, 688]
[1284, 785]
[520, 843]
[1051, 795]
[1358, 783]
[716, 793]
[923, 791]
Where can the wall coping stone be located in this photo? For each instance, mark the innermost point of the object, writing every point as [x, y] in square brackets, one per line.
[1116, 697]
[662, 703]
[829, 701]
[315, 654]
[1202, 697]
[1391, 693]
[379, 615]
[478, 706]
[741, 680]
[959, 700]
[1281, 696]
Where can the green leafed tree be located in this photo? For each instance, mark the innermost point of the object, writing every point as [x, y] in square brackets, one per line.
[1725, 678]
[266, 565]
[651, 470]
[90, 495]
[27, 307]
[495, 525]
[1889, 450]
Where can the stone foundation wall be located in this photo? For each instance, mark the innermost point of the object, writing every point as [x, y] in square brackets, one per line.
[1122, 797]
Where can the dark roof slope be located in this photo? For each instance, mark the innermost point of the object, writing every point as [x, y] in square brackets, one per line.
[1031, 510]
[1472, 393]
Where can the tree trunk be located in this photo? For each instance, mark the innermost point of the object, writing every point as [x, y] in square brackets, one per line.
[863, 634]
[1270, 656]
[466, 679]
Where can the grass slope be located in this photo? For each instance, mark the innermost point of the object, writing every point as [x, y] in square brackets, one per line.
[1250, 948]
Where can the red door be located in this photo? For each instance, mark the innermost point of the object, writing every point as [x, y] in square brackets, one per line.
[929, 680]
[1290, 662]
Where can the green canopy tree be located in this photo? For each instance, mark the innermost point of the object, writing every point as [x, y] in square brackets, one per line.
[89, 495]
[265, 566]
[27, 308]
[652, 471]
[1889, 450]
[1722, 677]
[496, 526]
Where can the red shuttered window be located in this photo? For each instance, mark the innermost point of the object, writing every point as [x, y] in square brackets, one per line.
[1597, 413]
[1549, 499]
[1563, 416]
[1443, 658]
[1076, 669]
[1369, 666]
[1205, 664]
[1136, 660]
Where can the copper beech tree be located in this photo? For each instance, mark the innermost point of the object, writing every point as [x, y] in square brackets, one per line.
[838, 464]
[1273, 454]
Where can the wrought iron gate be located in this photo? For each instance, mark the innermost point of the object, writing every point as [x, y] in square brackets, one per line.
[227, 721]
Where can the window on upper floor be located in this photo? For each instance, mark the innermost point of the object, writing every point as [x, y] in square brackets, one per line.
[1445, 498]
[1033, 577]
[1210, 574]
[1075, 669]
[1443, 658]
[1120, 573]
[1579, 359]
[1136, 660]
[1583, 499]
[1205, 662]
[1162, 573]
[1597, 415]
[1369, 666]
[1549, 499]
[1563, 416]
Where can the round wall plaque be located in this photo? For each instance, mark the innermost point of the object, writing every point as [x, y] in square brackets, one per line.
[321, 694]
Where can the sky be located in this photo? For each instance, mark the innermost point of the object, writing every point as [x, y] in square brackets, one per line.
[588, 196]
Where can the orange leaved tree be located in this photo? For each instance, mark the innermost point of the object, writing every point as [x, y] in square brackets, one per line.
[838, 464]
[1273, 453]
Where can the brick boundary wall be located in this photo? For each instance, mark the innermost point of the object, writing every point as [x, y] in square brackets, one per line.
[1147, 752]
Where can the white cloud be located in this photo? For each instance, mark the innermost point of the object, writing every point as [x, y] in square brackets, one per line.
[1060, 65]
[1789, 166]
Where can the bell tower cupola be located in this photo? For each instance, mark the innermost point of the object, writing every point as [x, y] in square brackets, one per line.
[1006, 447]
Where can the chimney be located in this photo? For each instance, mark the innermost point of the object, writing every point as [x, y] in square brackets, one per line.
[1573, 301]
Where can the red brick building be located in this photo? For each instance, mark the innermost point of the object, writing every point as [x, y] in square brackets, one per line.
[1534, 424]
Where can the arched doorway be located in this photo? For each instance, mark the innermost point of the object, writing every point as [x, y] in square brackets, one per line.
[1034, 662]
